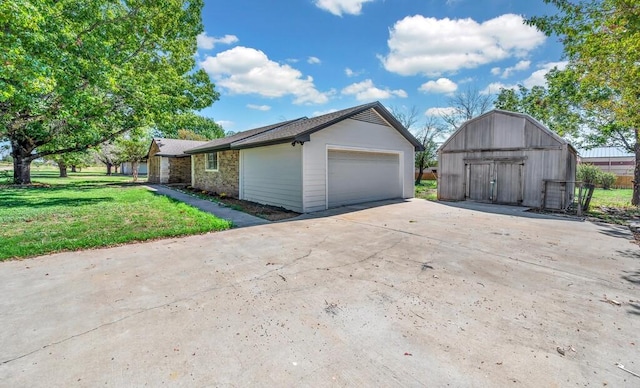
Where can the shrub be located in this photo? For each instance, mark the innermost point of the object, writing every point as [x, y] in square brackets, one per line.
[588, 173]
[607, 179]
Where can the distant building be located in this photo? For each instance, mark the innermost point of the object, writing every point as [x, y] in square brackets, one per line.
[609, 159]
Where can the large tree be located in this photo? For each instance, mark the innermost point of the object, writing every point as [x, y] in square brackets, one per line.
[74, 73]
[203, 127]
[601, 40]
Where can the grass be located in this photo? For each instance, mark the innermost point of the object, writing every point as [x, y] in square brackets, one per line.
[89, 210]
[613, 206]
[427, 190]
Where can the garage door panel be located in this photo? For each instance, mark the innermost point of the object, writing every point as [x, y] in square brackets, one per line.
[356, 177]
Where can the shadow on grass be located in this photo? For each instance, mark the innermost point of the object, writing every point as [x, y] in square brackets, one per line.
[9, 201]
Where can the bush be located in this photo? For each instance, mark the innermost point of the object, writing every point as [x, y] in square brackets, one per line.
[589, 174]
[607, 179]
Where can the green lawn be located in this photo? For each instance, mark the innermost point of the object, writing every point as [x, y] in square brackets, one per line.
[427, 190]
[618, 198]
[88, 210]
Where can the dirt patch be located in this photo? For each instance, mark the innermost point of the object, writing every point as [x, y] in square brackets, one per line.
[267, 212]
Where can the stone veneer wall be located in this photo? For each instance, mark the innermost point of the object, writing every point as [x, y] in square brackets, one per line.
[153, 168]
[225, 180]
[180, 170]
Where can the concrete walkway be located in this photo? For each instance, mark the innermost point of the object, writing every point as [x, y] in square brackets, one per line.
[239, 219]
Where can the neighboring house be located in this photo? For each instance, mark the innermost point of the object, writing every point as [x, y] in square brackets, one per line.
[609, 159]
[167, 162]
[127, 169]
[351, 156]
[509, 158]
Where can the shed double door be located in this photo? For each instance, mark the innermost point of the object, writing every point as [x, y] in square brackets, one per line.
[498, 182]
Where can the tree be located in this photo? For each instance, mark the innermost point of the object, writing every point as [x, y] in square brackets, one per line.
[555, 105]
[72, 159]
[426, 135]
[133, 148]
[185, 134]
[75, 74]
[204, 127]
[465, 105]
[601, 40]
[106, 154]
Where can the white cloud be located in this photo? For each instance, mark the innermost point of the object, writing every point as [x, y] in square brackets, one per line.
[351, 73]
[206, 42]
[494, 88]
[442, 85]
[226, 123]
[537, 77]
[338, 7]
[496, 70]
[314, 60]
[440, 111]
[430, 46]
[366, 91]
[244, 70]
[263, 108]
[520, 66]
[323, 112]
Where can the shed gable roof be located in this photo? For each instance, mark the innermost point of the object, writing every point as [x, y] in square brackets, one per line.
[546, 131]
[299, 130]
[174, 147]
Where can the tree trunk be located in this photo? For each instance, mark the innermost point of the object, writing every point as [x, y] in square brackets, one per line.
[635, 200]
[115, 167]
[73, 168]
[420, 172]
[21, 170]
[109, 165]
[21, 164]
[134, 171]
[63, 169]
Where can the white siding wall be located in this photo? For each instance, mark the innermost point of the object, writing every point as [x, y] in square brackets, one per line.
[350, 134]
[272, 175]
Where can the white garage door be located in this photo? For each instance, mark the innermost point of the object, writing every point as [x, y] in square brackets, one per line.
[356, 177]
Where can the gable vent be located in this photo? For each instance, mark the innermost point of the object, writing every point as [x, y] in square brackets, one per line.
[370, 116]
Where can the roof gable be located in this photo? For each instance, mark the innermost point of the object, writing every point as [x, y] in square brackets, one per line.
[299, 130]
[174, 147]
[489, 117]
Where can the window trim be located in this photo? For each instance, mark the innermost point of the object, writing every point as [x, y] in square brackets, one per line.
[206, 161]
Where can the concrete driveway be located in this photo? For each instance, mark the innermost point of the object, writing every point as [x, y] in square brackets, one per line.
[409, 294]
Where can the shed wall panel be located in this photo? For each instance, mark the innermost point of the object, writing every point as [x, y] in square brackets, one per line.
[508, 132]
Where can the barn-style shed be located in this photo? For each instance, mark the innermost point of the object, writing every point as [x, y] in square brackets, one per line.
[509, 158]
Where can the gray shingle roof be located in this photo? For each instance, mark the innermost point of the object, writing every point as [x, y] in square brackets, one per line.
[225, 142]
[299, 130]
[176, 147]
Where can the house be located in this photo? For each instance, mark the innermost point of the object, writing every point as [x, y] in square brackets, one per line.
[609, 159]
[351, 156]
[615, 160]
[167, 162]
[509, 158]
[126, 168]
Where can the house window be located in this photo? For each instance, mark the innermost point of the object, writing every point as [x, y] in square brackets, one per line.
[211, 162]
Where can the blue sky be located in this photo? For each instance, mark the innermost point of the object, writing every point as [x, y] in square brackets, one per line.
[283, 59]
